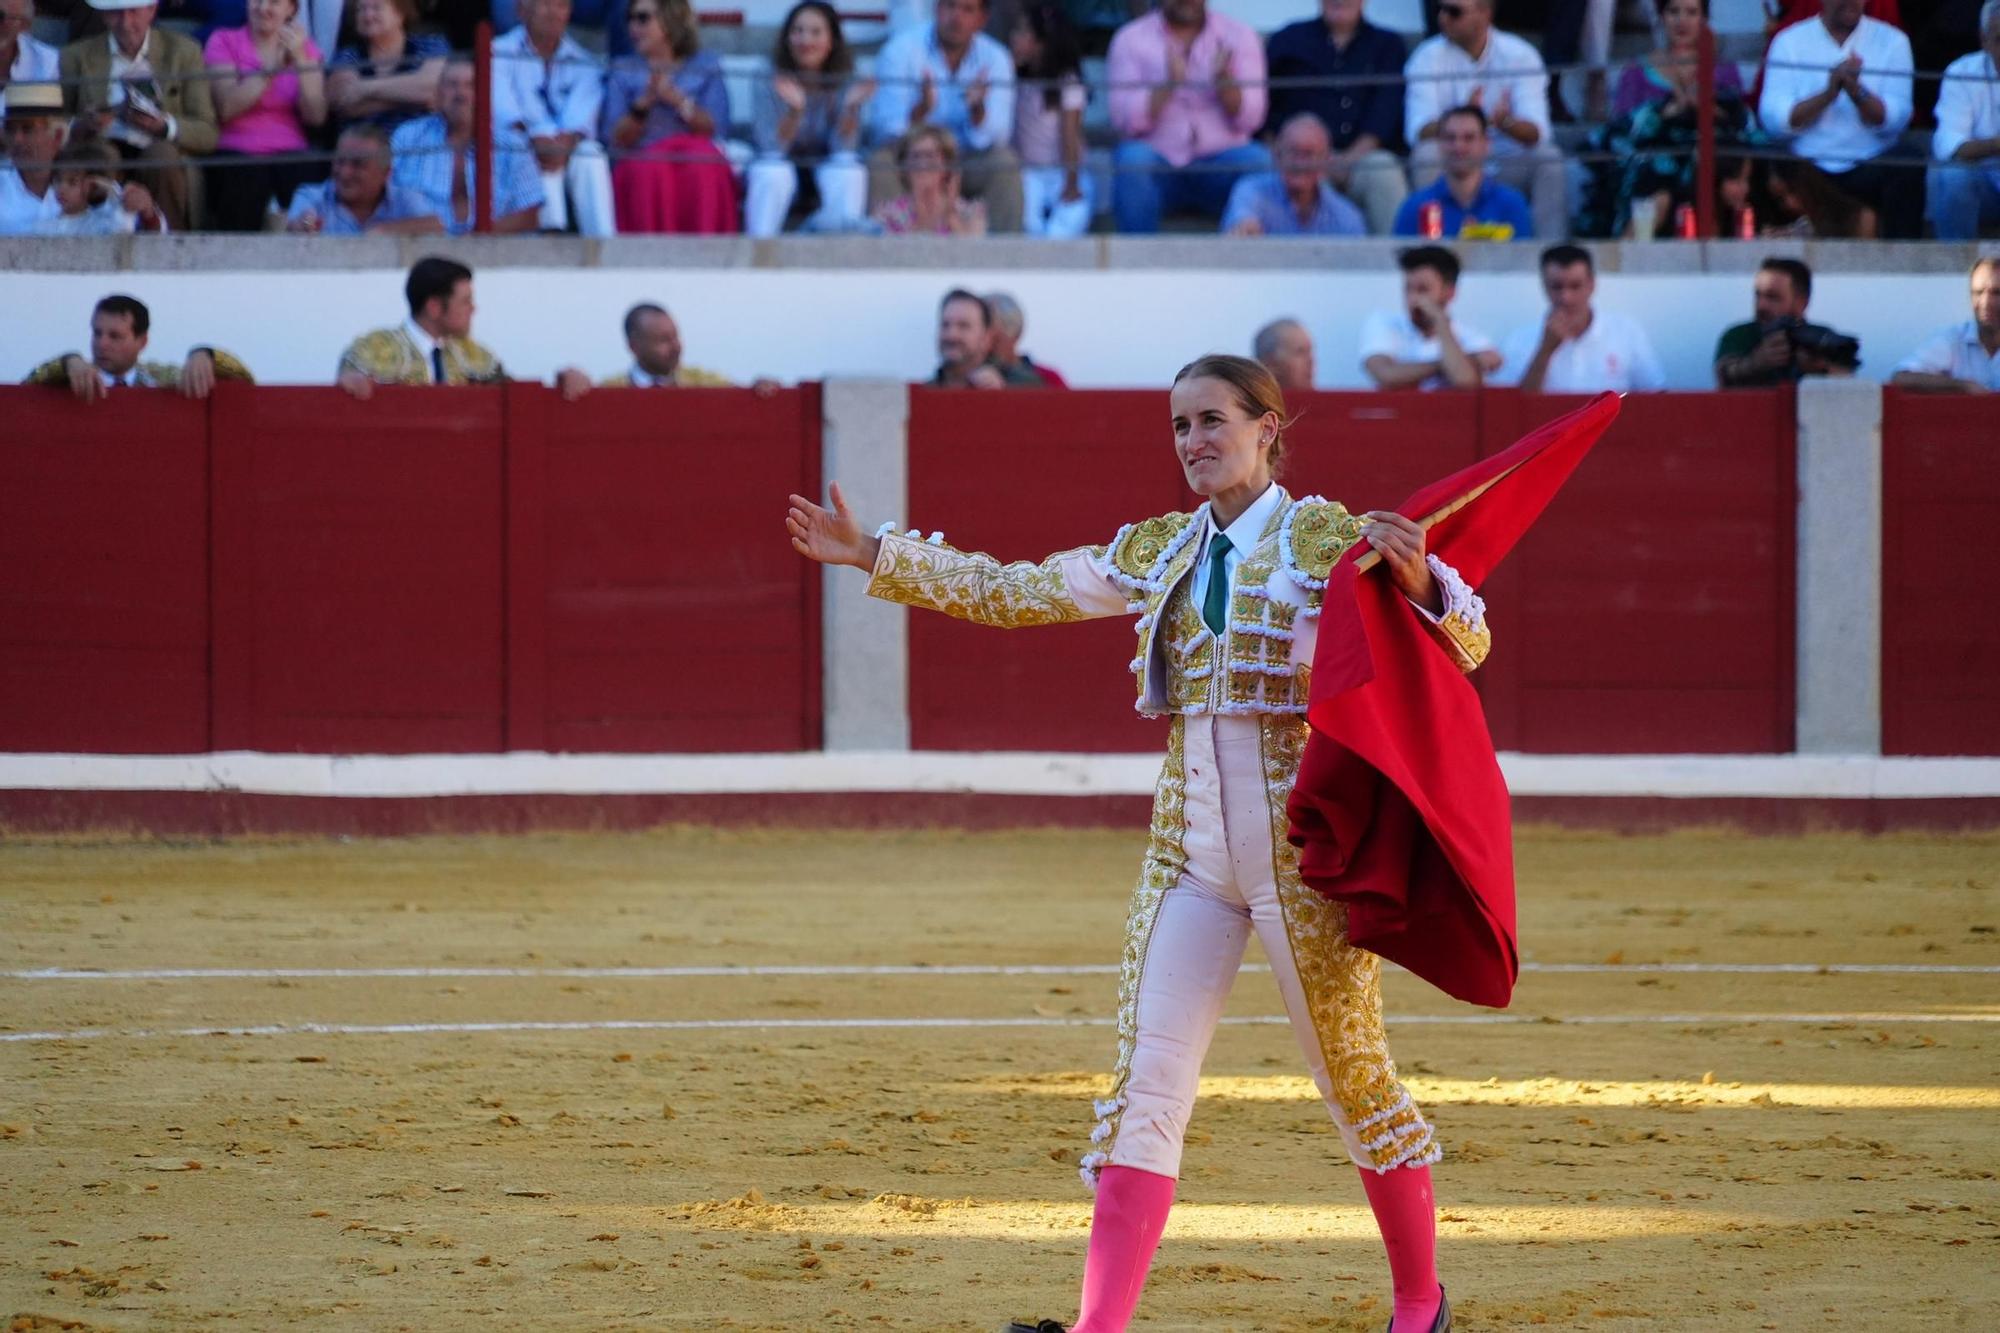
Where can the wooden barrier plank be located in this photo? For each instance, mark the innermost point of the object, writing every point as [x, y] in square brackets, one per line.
[1940, 505]
[103, 572]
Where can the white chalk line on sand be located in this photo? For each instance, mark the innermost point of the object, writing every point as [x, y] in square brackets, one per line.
[851, 1024]
[912, 970]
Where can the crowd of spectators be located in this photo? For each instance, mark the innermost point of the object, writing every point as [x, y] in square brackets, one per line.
[968, 121]
[1420, 344]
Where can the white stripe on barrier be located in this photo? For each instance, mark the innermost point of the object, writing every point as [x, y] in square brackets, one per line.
[919, 970]
[526, 773]
[842, 1024]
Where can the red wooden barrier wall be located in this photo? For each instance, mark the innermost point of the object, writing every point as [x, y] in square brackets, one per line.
[1651, 610]
[459, 570]
[103, 573]
[1940, 509]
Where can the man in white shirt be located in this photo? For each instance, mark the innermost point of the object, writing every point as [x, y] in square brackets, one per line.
[1421, 345]
[1964, 358]
[36, 127]
[549, 88]
[949, 73]
[1838, 86]
[1964, 178]
[23, 58]
[1577, 349]
[1472, 63]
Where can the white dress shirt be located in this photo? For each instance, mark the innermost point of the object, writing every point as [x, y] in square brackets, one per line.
[1613, 353]
[901, 66]
[34, 62]
[562, 96]
[1956, 352]
[1968, 107]
[22, 210]
[1395, 335]
[1439, 75]
[1242, 534]
[424, 344]
[1796, 68]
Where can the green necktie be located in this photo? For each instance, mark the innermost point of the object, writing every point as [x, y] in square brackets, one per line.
[1215, 606]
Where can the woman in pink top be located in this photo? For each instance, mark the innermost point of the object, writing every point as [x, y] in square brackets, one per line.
[268, 90]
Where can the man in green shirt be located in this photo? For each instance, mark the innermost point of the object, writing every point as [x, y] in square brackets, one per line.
[1764, 351]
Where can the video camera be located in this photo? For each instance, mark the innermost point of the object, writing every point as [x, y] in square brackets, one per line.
[1829, 345]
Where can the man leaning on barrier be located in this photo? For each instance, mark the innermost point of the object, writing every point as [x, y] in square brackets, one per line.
[433, 346]
[1963, 358]
[119, 329]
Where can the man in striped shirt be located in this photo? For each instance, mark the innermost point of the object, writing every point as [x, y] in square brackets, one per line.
[434, 158]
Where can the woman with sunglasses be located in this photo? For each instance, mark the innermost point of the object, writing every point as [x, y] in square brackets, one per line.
[808, 123]
[1228, 603]
[664, 108]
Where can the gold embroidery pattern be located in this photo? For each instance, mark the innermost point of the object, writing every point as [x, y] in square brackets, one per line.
[1190, 654]
[1136, 551]
[974, 587]
[1342, 984]
[1466, 643]
[1165, 860]
[1319, 532]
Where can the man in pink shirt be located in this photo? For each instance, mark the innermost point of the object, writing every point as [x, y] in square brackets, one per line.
[1187, 92]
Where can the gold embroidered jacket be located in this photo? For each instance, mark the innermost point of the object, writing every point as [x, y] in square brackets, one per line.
[1262, 664]
[146, 374]
[391, 356]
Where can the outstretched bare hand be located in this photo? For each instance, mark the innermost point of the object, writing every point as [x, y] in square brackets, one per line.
[830, 536]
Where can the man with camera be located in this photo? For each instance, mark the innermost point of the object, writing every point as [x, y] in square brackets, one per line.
[1778, 346]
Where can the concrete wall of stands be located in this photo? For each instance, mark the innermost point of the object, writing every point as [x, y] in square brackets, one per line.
[486, 570]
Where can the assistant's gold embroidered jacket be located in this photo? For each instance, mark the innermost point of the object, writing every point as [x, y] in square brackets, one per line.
[1261, 668]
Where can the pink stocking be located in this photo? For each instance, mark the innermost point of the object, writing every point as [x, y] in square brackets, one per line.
[1124, 1231]
[1407, 1217]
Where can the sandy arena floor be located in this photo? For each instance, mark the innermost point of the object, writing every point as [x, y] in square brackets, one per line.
[1639, 1146]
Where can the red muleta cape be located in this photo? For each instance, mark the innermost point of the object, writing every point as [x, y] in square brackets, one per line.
[1400, 811]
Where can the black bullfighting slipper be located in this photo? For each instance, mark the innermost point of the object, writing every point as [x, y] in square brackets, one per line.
[1442, 1324]
[1039, 1326]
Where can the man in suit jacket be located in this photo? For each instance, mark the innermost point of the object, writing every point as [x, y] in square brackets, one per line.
[145, 92]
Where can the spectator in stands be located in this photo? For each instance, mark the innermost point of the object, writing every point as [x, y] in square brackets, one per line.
[1578, 31]
[1056, 196]
[930, 204]
[141, 90]
[1669, 75]
[1964, 358]
[433, 346]
[1777, 346]
[434, 160]
[1420, 344]
[269, 91]
[547, 87]
[1472, 63]
[1575, 349]
[391, 75]
[1838, 87]
[808, 127]
[1644, 159]
[35, 127]
[119, 327]
[1286, 350]
[1187, 92]
[22, 58]
[1009, 323]
[949, 75]
[1294, 200]
[1098, 21]
[1471, 204]
[92, 201]
[655, 342]
[360, 197]
[1366, 119]
[1964, 178]
[965, 348]
[667, 101]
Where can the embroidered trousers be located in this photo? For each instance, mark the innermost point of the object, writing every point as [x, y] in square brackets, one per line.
[1238, 879]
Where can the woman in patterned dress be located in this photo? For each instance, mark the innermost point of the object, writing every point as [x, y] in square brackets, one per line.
[1227, 600]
